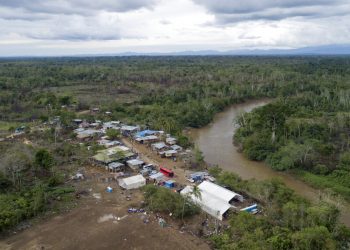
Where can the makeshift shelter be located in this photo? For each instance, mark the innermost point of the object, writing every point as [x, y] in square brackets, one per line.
[198, 176]
[135, 164]
[147, 139]
[176, 147]
[145, 133]
[127, 130]
[115, 166]
[157, 177]
[158, 146]
[170, 153]
[111, 125]
[117, 153]
[88, 133]
[108, 143]
[132, 182]
[213, 199]
[77, 121]
[220, 192]
[170, 140]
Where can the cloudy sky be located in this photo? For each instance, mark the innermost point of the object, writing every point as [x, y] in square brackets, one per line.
[66, 27]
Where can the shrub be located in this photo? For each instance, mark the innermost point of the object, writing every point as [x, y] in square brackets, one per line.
[164, 200]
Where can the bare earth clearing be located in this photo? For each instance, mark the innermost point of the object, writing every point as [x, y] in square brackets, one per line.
[101, 220]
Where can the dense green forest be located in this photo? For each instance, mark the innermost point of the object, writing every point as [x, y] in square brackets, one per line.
[304, 128]
[159, 91]
[289, 221]
[307, 132]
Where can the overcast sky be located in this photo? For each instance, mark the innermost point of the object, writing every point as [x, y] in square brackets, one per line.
[63, 27]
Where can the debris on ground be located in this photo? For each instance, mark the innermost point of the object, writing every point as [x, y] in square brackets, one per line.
[96, 195]
[162, 222]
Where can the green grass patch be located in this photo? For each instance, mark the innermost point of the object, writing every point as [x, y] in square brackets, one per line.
[5, 126]
[325, 182]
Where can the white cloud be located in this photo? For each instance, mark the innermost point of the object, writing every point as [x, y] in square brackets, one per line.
[50, 27]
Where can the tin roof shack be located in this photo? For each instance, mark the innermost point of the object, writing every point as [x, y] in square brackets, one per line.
[214, 199]
[147, 169]
[168, 153]
[198, 176]
[115, 167]
[176, 147]
[95, 110]
[147, 139]
[132, 182]
[135, 164]
[95, 124]
[108, 143]
[158, 146]
[117, 153]
[158, 177]
[111, 124]
[170, 140]
[87, 134]
[129, 130]
[77, 121]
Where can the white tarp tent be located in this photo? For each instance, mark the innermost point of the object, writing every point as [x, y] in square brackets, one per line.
[220, 192]
[132, 182]
[213, 199]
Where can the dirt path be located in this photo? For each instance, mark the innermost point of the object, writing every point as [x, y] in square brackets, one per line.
[149, 156]
[94, 224]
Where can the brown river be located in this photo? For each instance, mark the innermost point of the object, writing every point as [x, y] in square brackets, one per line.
[215, 141]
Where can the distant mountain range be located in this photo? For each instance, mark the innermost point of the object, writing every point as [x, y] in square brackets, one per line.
[325, 50]
[316, 50]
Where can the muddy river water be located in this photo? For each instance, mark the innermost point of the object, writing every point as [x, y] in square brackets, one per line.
[215, 141]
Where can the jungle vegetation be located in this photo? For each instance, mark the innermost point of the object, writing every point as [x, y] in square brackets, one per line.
[287, 221]
[307, 132]
[305, 128]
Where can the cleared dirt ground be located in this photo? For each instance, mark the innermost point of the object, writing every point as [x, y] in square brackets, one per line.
[94, 224]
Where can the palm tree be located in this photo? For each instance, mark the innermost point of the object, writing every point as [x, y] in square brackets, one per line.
[196, 192]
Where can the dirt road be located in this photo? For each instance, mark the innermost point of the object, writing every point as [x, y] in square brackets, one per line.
[149, 156]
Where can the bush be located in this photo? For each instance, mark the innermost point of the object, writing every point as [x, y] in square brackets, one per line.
[113, 134]
[164, 200]
[43, 159]
[5, 183]
[320, 169]
[55, 180]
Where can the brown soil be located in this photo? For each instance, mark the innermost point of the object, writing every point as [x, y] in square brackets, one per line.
[94, 224]
[149, 156]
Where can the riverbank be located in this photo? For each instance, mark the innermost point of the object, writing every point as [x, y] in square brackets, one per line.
[215, 141]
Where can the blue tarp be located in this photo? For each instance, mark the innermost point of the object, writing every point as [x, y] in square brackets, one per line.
[198, 176]
[250, 209]
[145, 133]
[169, 184]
